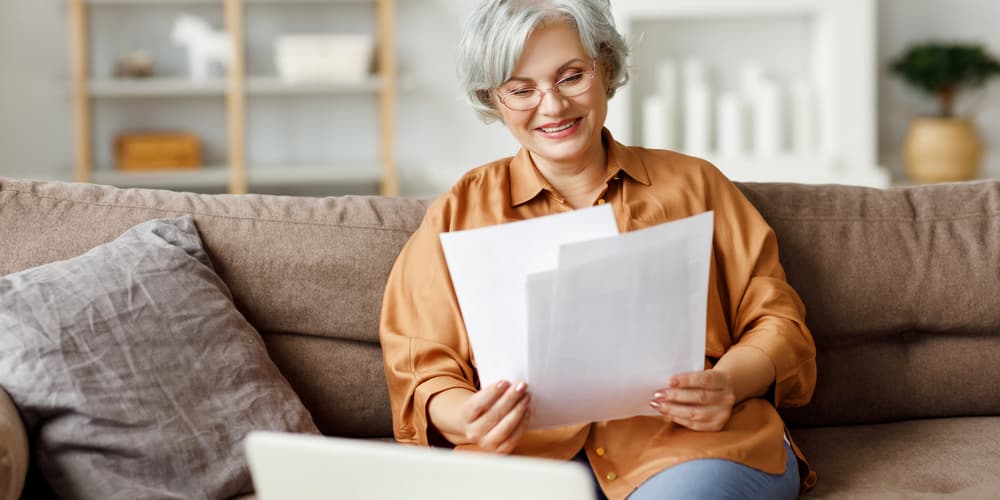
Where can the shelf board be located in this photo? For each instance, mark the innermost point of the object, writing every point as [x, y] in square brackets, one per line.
[269, 85]
[205, 177]
[303, 175]
[220, 2]
[258, 85]
[218, 176]
[155, 87]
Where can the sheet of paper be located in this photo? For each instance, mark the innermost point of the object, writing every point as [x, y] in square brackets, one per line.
[625, 313]
[489, 268]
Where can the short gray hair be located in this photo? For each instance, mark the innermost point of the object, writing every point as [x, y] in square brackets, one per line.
[496, 31]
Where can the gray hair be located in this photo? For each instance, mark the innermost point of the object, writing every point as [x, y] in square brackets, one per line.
[496, 31]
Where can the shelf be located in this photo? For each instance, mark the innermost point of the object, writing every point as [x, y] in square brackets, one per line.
[205, 177]
[262, 85]
[220, 2]
[155, 87]
[798, 168]
[218, 176]
[268, 85]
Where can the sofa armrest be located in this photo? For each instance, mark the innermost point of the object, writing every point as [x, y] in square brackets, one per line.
[13, 450]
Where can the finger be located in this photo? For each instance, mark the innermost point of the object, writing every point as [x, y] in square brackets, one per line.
[699, 419]
[483, 399]
[500, 408]
[515, 437]
[695, 396]
[689, 379]
[503, 432]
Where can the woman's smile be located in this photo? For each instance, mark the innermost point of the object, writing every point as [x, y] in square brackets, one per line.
[559, 130]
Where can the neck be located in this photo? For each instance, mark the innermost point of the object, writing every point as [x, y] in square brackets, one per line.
[578, 181]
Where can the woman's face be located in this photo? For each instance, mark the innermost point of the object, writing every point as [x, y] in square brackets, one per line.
[560, 129]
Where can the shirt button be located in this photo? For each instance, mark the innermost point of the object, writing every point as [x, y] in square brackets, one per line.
[600, 452]
[601, 201]
[612, 476]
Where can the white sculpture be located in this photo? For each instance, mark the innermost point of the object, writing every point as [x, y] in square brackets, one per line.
[205, 46]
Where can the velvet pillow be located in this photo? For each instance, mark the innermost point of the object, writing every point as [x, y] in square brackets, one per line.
[134, 372]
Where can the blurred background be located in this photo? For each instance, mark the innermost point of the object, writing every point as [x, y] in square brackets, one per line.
[359, 96]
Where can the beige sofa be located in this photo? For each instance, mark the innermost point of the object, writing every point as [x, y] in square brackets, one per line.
[902, 289]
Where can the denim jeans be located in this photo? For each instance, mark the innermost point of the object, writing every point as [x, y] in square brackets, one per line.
[713, 478]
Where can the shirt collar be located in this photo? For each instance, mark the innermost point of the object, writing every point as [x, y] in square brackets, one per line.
[526, 181]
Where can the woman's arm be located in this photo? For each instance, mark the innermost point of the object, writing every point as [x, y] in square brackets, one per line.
[493, 419]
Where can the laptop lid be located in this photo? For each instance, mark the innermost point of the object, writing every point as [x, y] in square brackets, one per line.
[305, 467]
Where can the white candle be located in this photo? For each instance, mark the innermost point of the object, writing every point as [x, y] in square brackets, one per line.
[697, 118]
[668, 88]
[803, 117]
[768, 123]
[730, 125]
[654, 123]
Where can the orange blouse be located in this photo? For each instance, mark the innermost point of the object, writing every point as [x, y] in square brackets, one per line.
[750, 305]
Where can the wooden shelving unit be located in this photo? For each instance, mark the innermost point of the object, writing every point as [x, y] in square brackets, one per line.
[234, 176]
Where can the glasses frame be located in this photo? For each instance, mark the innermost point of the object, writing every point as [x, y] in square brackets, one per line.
[555, 88]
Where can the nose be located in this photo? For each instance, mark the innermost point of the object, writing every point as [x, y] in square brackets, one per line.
[552, 102]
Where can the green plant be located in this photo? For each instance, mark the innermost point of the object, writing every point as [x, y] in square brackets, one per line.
[943, 69]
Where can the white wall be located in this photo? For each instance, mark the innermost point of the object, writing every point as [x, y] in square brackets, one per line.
[439, 137]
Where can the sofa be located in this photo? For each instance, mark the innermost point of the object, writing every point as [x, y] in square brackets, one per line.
[901, 286]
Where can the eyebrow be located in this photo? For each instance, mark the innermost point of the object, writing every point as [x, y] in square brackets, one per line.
[560, 69]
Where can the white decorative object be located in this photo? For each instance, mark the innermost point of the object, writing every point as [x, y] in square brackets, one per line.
[654, 129]
[803, 118]
[668, 88]
[841, 64]
[697, 118]
[730, 125]
[204, 45]
[768, 125]
[324, 58]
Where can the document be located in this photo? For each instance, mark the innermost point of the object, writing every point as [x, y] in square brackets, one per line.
[594, 321]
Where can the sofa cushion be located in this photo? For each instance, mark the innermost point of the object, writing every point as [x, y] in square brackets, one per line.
[135, 373]
[932, 458]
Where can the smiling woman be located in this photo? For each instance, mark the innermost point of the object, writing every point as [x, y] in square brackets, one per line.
[546, 69]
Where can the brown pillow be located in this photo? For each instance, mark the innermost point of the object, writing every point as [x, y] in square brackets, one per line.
[136, 375]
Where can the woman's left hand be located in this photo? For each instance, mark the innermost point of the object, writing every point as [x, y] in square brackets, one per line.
[701, 401]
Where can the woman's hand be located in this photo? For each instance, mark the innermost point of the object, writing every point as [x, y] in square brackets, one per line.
[495, 418]
[701, 401]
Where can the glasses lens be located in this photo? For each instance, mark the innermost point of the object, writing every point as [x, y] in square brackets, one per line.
[574, 85]
[523, 99]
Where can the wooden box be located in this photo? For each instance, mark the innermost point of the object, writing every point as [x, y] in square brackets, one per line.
[157, 150]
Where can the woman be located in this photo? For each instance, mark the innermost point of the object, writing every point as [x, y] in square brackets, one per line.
[546, 69]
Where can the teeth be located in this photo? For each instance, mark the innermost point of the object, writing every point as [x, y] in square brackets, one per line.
[558, 129]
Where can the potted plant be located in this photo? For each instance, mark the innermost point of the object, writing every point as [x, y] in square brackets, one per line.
[946, 146]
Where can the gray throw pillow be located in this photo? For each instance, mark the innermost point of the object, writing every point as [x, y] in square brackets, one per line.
[134, 372]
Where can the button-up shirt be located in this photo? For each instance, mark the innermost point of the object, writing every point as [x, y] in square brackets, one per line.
[750, 305]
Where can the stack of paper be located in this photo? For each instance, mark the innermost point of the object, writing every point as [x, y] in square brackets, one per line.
[594, 321]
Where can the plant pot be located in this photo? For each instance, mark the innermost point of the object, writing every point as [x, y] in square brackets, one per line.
[942, 150]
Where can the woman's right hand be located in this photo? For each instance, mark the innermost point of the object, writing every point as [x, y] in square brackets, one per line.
[496, 417]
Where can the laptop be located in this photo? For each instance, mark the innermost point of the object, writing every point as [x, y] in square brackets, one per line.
[305, 467]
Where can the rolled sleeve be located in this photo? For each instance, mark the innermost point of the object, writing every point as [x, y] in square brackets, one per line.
[425, 349]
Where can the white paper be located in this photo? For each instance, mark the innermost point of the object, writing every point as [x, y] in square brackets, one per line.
[489, 268]
[629, 311]
[593, 321]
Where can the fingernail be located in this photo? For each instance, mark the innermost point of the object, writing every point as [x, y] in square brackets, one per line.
[654, 404]
[521, 386]
[502, 384]
[659, 395]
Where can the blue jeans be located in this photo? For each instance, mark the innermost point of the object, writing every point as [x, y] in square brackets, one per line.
[713, 478]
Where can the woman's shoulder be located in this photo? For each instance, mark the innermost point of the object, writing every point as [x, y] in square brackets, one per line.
[476, 187]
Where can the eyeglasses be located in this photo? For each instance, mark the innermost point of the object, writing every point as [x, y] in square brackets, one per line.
[525, 98]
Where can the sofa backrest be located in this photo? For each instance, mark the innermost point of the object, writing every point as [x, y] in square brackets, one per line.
[902, 294]
[901, 286]
[308, 273]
